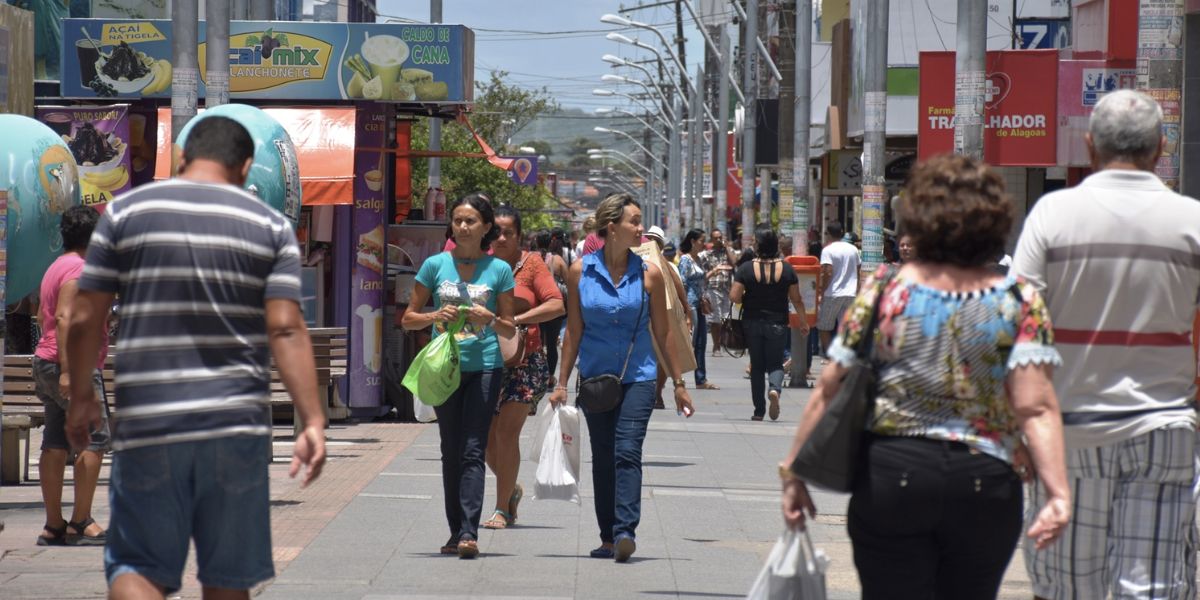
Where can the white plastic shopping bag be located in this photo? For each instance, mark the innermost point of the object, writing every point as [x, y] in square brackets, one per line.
[557, 475]
[423, 412]
[795, 570]
[544, 417]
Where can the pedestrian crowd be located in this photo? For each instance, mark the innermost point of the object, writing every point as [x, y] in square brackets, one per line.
[1066, 368]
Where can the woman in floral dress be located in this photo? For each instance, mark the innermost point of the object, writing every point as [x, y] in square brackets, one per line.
[964, 360]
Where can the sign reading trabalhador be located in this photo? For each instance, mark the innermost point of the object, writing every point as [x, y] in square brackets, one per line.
[1020, 108]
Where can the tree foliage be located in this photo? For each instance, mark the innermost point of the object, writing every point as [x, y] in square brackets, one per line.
[501, 109]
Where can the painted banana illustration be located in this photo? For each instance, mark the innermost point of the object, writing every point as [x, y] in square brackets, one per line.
[109, 180]
[162, 71]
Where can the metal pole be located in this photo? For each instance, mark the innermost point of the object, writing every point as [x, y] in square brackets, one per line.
[185, 82]
[674, 168]
[720, 165]
[237, 10]
[435, 123]
[874, 135]
[765, 195]
[1160, 74]
[801, 127]
[969, 88]
[750, 87]
[262, 10]
[698, 156]
[216, 53]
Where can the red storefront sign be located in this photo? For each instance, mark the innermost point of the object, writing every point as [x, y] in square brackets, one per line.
[1020, 111]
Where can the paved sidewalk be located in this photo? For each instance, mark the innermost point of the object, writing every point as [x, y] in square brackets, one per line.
[710, 514]
[371, 527]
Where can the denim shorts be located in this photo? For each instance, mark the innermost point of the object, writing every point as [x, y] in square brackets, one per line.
[45, 385]
[213, 491]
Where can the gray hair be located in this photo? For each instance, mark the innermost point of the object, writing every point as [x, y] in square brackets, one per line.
[1126, 125]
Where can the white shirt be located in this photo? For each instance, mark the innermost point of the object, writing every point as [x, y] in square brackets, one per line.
[1117, 259]
[843, 256]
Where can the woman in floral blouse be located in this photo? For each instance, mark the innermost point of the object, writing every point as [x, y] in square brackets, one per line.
[964, 360]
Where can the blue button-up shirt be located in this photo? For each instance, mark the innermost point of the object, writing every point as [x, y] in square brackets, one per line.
[610, 317]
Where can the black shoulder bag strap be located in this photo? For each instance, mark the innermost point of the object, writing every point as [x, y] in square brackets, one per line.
[636, 323]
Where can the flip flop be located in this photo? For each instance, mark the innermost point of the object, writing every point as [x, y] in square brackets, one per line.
[499, 520]
[513, 502]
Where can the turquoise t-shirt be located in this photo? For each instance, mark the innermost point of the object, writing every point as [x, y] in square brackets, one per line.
[477, 345]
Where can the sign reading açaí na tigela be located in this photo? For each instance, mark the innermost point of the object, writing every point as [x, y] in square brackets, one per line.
[278, 60]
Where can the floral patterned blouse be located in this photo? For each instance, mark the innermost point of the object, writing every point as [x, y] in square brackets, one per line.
[943, 357]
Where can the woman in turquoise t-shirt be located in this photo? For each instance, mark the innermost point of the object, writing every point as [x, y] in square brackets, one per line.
[466, 279]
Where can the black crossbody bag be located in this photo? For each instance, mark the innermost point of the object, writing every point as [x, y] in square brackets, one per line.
[603, 393]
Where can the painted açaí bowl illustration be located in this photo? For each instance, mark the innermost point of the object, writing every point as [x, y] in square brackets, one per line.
[125, 85]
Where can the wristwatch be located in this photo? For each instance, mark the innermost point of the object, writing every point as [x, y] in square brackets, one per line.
[679, 383]
[786, 474]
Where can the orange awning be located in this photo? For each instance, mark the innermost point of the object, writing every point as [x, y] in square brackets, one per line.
[324, 139]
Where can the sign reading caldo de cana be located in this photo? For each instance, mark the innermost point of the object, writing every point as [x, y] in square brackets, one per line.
[278, 60]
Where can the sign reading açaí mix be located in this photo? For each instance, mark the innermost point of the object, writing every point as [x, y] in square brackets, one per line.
[278, 60]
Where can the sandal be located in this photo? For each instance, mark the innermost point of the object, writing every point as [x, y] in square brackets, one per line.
[58, 537]
[708, 386]
[83, 539]
[499, 520]
[513, 502]
[468, 548]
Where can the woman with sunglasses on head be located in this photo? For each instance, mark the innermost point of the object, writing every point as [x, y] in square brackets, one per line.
[467, 282]
[616, 304]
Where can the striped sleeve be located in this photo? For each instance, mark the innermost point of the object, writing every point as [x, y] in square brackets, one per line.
[284, 281]
[100, 271]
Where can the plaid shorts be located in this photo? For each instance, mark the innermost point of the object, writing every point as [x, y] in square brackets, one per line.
[1133, 522]
[829, 314]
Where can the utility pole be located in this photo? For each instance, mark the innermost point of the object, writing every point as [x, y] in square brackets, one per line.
[651, 197]
[750, 89]
[1160, 75]
[765, 191]
[698, 155]
[237, 10]
[874, 134]
[969, 64]
[435, 126]
[185, 83]
[674, 171]
[786, 146]
[216, 63]
[801, 127]
[720, 165]
[681, 45]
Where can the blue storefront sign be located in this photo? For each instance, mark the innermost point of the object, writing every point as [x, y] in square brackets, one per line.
[524, 170]
[1042, 34]
[277, 60]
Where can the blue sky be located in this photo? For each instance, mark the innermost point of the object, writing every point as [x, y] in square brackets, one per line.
[566, 63]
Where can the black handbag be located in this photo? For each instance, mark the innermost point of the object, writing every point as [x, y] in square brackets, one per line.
[603, 393]
[733, 334]
[831, 456]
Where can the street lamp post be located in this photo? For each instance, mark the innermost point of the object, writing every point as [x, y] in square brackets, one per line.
[619, 111]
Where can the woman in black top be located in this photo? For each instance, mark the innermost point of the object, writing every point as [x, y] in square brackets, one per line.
[764, 286]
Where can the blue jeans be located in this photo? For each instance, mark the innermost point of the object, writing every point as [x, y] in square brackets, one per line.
[814, 346]
[463, 422]
[699, 344]
[214, 491]
[766, 341]
[616, 438]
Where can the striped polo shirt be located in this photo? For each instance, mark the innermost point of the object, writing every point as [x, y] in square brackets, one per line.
[1118, 260]
[193, 265]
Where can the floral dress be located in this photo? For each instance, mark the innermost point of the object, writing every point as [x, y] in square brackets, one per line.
[943, 357]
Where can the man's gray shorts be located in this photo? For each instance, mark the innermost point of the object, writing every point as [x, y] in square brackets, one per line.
[45, 382]
[831, 311]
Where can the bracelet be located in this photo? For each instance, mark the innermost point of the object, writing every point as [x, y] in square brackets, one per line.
[679, 383]
[492, 322]
[560, 387]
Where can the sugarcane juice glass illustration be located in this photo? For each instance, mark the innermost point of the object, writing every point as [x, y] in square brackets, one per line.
[386, 54]
[372, 336]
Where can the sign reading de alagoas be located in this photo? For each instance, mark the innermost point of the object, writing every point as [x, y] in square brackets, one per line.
[1020, 109]
[278, 60]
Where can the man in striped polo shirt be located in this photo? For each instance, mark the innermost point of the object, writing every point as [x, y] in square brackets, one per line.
[1118, 261]
[209, 280]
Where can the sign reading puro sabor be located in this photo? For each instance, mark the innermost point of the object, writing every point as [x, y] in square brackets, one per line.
[279, 60]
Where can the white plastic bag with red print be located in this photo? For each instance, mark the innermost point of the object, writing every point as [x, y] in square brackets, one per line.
[557, 475]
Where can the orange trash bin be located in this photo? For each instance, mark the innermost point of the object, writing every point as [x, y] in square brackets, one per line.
[808, 269]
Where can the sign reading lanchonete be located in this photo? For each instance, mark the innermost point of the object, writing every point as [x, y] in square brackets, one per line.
[280, 60]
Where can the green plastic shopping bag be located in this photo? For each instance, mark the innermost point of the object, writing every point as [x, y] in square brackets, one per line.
[434, 373]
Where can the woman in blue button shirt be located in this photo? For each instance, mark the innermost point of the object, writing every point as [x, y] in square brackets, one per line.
[618, 295]
[467, 280]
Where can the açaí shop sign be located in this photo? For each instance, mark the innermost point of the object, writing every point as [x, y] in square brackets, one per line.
[277, 60]
[1019, 110]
